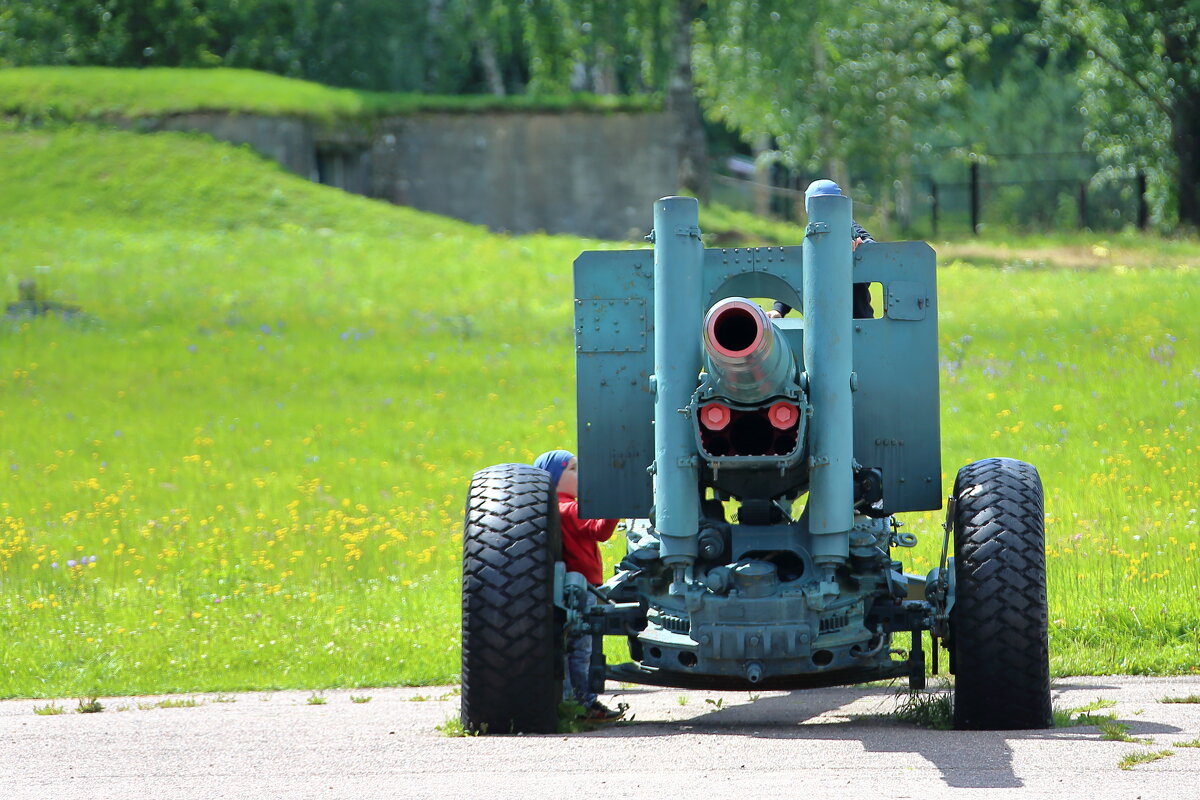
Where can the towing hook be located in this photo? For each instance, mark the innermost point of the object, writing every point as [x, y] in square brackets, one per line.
[857, 652]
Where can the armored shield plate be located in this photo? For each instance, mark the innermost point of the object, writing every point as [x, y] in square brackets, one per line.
[896, 423]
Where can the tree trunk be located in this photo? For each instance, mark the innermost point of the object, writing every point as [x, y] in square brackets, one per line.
[604, 75]
[490, 64]
[883, 209]
[602, 70]
[1186, 141]
[433, 47]
[690, 141]
[1185, 126]
[839, 172]
[762, 176]
[904, 190]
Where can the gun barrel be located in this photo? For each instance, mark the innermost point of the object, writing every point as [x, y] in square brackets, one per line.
[745, 352]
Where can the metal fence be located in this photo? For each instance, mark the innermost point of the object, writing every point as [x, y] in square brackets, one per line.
[991, 197]
[1017, 192]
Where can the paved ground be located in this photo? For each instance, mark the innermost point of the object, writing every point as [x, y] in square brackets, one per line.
[678, 745]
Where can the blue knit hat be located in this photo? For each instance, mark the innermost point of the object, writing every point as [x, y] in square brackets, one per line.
[554, 462]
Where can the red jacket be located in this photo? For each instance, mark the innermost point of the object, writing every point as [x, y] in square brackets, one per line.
[581, 553]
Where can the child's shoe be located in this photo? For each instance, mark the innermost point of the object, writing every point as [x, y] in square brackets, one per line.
[598, 712]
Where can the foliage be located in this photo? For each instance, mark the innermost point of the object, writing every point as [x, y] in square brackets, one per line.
[1029, 108]
[365, 43]
[447, 46]
[1141, 85]
[832, 84]
[879, 93]
[82, 93]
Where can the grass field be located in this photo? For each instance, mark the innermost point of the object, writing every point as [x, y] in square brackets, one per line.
[241, 464]
[84, 93]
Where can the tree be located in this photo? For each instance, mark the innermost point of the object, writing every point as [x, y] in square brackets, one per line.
[1141, 91]
[61, 32]
[682, 103]
[837, 86]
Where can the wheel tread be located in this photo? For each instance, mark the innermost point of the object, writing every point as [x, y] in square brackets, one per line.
[1000, 619]
[511, 639]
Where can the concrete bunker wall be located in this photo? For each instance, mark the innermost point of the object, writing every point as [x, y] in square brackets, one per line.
[592, 174]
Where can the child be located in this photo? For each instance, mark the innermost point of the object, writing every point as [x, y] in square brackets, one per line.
[581, 553]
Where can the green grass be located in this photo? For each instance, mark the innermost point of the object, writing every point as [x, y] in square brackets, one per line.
[1133, 759]
[265, 434]
[1092, 374]
[84, 93]
[1191, 698]
[1113, 731]
[723, 226]
[454, 728]
[263, 426]
[188, 702]
[1083, 715]
[89, 705]
[933, 709]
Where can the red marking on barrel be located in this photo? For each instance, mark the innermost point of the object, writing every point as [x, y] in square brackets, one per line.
[714, 416]
[783, 415]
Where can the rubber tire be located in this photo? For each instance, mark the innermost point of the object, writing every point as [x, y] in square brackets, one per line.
[512, 634]
[998, 624]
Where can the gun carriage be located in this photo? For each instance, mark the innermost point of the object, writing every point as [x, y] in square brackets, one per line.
[762, 462]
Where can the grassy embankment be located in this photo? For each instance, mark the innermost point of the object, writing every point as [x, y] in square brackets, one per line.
[253, 443]
[85, 93]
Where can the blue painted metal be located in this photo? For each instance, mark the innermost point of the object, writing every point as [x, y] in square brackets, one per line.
[828, 354]
[775, 594]
[678, 261]
[896, 406]
[614, 362]
[896, 409]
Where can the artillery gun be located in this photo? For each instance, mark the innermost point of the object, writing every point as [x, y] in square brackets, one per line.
[762, 462]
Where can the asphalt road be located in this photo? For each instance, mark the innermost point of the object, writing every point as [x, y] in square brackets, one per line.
[678, 745]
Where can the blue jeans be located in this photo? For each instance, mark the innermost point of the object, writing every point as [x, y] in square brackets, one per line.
[579, 658]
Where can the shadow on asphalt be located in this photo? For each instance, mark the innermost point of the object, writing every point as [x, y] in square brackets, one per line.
[966, 759]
